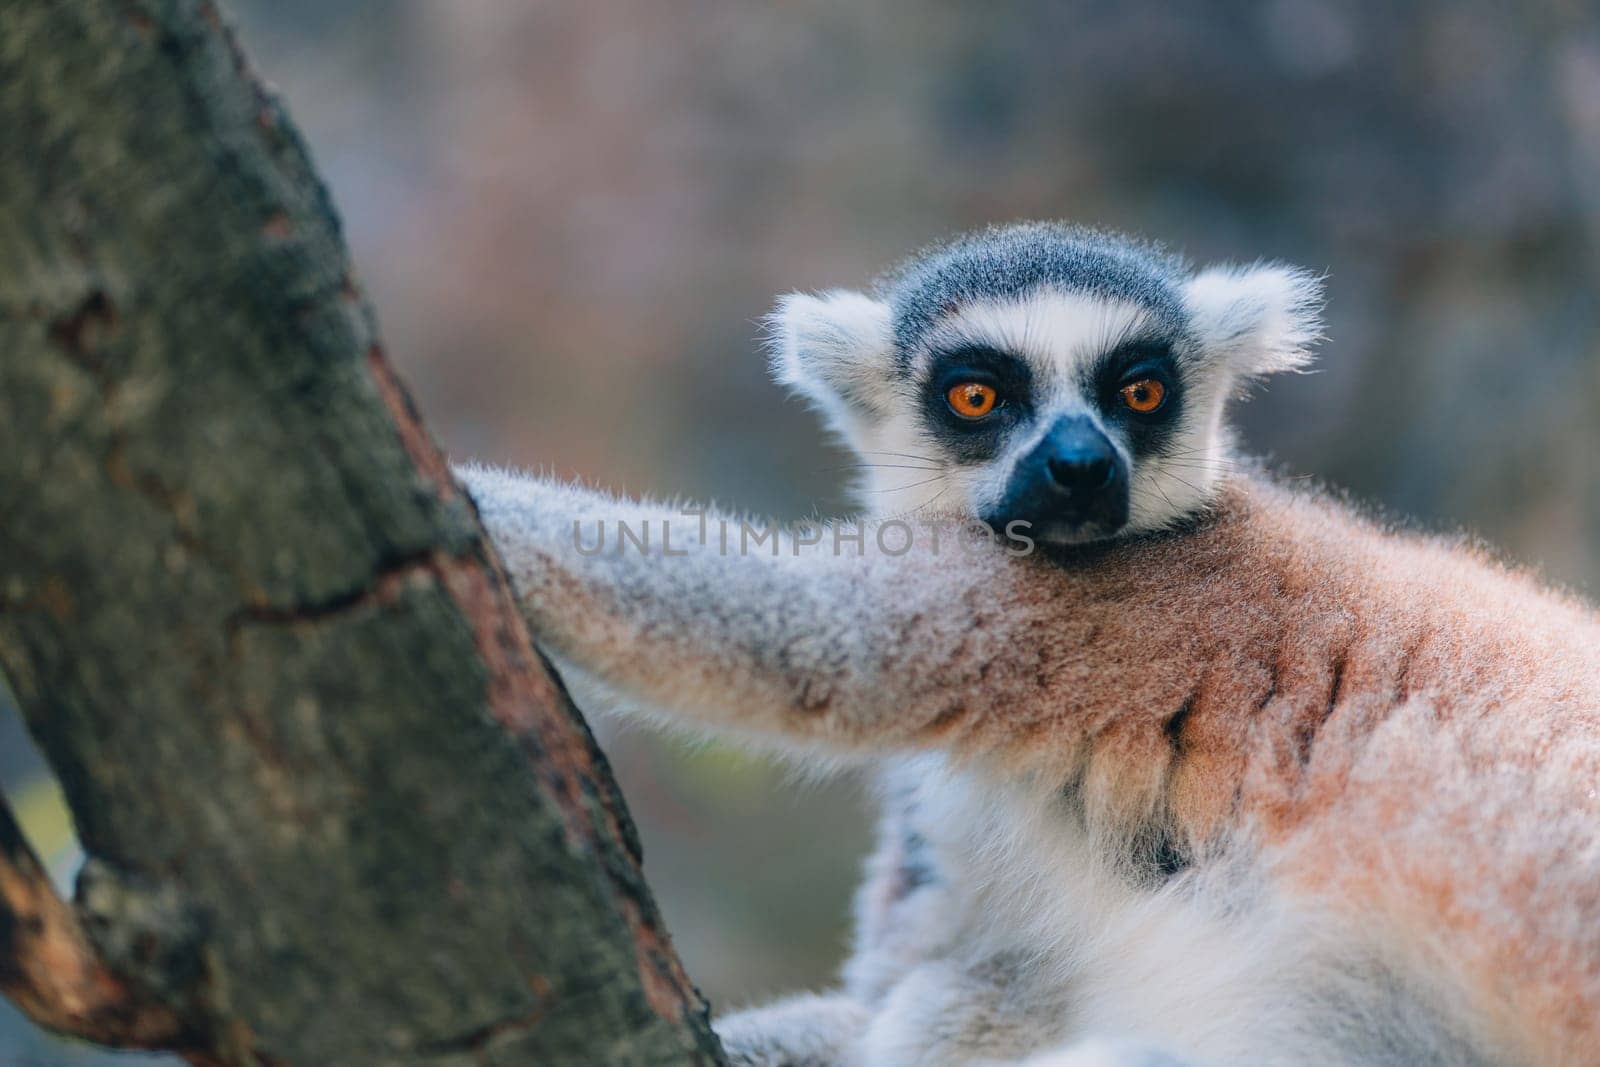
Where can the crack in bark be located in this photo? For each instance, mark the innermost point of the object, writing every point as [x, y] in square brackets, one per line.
[382, 587]
[475, 1042]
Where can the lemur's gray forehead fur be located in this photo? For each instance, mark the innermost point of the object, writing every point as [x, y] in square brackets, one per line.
[1008, 262]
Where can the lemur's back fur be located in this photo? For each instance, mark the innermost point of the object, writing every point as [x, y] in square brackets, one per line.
[1260, 782]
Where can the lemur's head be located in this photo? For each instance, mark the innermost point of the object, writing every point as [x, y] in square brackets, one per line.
[1071, 378]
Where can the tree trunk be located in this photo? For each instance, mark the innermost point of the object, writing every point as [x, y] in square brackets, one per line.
[337, 809]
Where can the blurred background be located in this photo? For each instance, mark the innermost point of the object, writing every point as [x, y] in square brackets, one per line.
[569, 216]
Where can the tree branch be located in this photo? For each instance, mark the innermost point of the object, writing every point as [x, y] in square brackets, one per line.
[337, 810]
[50, 969]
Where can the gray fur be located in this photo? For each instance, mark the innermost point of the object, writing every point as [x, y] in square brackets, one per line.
[1005, 262]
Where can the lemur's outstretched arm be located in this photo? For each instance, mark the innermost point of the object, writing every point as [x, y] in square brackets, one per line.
[821, 644]
[769, 637]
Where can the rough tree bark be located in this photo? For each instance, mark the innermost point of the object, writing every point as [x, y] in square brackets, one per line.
[336, 809]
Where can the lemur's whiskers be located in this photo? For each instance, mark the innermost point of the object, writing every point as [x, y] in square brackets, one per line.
[1201, 465]
[878, 466]
[1167, 498]
[902, 488]
[1185, 481]
[928, 504]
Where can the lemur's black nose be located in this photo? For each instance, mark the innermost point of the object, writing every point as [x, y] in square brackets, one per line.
[1083, 469]
[1070, 487]
[1081, 459]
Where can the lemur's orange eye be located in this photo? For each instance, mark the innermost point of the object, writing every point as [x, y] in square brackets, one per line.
[1144, 396]
[971, 400]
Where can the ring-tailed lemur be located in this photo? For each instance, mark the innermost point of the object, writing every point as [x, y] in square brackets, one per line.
[1274, 786]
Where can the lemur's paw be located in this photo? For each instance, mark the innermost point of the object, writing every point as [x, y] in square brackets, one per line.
[802, 1031]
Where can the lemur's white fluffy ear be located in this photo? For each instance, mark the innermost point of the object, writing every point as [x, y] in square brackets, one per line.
[1261, 319]
[836, 349]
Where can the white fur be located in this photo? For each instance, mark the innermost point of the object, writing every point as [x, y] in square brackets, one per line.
[799, 1031]
[834, 349]
[1039, 939]
[1263, 318]
[1050, 327]
[1106, 1052]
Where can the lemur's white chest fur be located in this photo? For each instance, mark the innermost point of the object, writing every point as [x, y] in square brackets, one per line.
[993, 926]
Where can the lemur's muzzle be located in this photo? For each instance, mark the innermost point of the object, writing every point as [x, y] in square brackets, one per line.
[1072, 486]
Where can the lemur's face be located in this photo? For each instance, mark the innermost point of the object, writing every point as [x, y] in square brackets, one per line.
[1077, 414]
[1069, 380]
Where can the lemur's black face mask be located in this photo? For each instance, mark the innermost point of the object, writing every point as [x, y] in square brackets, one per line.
[1071, 488]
